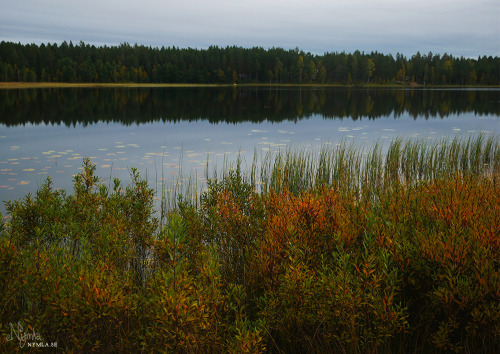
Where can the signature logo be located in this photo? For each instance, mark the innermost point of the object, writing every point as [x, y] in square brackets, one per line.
[26, 338]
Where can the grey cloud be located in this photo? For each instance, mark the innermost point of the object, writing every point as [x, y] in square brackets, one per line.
[389, 26]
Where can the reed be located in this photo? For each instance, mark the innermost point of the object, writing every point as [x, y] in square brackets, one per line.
[348, 167]
[354, 169]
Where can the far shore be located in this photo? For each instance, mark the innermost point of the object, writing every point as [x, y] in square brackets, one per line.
[27, 85]
[30, 85]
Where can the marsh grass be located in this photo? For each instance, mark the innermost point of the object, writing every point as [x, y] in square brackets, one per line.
[363, 171]
[366, 171]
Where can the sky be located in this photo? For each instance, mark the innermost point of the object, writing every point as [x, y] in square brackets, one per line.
[466, 28]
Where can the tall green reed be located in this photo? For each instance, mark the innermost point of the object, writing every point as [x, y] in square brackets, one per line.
[352, 168]
[365, 171]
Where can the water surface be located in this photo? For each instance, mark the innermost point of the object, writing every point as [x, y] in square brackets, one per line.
[168, 132]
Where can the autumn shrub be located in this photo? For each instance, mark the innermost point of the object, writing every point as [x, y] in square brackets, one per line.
[349, 253]
[79, 259]
[444, 236]
[322, 283]
[181, 310]
[94, 271]
[232, 215]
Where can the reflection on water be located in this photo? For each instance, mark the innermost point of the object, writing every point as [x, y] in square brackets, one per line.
[235, 105]
[171, 132]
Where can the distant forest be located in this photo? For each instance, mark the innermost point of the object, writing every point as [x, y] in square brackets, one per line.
[141, 64]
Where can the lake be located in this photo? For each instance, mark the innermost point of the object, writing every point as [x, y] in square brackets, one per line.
[171, 132]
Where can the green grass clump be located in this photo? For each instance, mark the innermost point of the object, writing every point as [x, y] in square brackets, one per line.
[339, 250]
[356, 170]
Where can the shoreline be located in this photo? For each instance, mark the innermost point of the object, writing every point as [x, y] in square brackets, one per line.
[35, 85]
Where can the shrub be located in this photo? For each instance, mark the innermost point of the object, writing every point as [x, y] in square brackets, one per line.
[354, 255]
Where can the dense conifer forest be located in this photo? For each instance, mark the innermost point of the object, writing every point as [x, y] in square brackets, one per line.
[86, 63]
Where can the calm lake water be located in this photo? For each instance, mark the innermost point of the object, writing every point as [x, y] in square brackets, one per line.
[165, 132]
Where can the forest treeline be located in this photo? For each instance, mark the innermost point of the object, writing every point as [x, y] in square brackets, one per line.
[84, 63]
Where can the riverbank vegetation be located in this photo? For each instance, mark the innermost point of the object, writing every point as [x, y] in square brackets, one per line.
[394, 249]
[84, 63]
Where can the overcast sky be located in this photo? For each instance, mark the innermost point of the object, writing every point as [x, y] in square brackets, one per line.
[462, 28]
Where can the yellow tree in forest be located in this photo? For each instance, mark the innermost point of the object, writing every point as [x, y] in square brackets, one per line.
[300, 67]
[370, 68]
